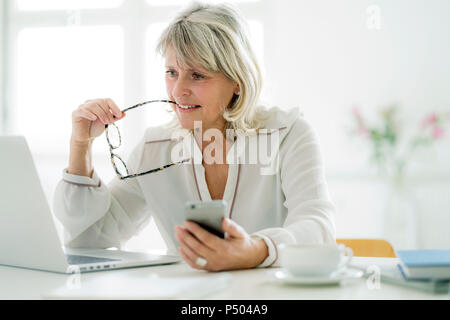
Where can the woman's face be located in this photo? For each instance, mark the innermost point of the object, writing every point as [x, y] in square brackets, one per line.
[210, 92]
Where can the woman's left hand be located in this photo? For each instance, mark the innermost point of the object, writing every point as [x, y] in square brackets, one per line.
[237, 251]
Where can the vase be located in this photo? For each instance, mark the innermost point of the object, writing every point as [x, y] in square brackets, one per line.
[401, 216]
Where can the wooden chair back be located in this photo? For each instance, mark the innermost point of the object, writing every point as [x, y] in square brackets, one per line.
[369, 247]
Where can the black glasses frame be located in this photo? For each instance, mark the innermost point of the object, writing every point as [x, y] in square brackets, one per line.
[115, 157]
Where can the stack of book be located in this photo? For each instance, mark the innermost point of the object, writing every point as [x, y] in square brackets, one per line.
[425, 264]
[425, 269]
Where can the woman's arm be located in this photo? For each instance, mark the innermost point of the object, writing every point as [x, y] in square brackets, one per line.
[80, 158]
[97, 215]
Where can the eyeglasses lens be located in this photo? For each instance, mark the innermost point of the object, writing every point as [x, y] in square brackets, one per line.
[120, 166]
[113, 136]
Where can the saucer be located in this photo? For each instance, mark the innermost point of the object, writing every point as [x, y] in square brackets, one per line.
[334, 278]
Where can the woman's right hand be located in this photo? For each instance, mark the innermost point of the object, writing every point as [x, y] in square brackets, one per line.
[89, 119]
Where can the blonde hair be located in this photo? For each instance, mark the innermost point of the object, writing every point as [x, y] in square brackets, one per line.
[214, 36]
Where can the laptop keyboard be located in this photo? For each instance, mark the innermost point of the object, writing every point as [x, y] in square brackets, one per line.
[74, 259]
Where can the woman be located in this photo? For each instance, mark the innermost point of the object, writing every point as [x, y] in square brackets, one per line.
[213, 76]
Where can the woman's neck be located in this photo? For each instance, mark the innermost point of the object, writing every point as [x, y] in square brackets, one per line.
[205, 137]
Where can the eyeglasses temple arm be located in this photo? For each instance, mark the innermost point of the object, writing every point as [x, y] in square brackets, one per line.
[146, 102]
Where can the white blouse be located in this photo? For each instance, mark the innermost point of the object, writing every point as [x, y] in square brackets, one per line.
[282, 201]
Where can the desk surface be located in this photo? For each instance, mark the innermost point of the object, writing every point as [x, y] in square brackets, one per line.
[17, 283]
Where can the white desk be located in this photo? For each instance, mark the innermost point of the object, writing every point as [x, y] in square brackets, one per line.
[17, 283]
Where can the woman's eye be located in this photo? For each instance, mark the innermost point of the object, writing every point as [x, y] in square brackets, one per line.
[197, 76]
[170, 73]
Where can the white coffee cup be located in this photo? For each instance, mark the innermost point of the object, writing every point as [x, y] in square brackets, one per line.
[314, 260]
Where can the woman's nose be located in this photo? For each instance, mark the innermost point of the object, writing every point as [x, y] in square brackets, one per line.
[180, 89]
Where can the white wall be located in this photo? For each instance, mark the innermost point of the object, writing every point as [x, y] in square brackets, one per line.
[321, 57]
[2, 48]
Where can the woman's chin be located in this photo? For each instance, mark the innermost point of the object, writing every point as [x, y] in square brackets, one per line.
[186, 124]
[189, 123]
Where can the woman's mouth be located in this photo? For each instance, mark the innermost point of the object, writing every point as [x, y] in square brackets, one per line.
[187, 108]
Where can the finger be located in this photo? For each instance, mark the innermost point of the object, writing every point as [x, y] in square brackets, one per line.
[181, 235]
[105, 107]
[115, 109]
[189, 253]
[87, 114]
[83, 113]
[187, 259]
[99, 112]
[210, 240]
[233, 229]
[90, 100]
[193, 243]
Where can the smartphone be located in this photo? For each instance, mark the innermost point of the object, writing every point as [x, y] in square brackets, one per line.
[208, 214]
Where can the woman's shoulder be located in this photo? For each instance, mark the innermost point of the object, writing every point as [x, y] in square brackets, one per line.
[294, 129]
[285, 120]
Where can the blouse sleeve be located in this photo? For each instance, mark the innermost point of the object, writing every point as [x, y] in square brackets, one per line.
[97, 215]
[310, 218]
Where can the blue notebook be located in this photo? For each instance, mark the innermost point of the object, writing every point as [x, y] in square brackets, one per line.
[425, 264]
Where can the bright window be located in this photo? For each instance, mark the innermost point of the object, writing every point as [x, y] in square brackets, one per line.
[155, 84]
[182, 2]
[43, 5]
[58, 68]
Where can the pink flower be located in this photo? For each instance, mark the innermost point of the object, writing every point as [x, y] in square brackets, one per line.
[356, 112]
[429, 120]
[362, 130]
[438, 132]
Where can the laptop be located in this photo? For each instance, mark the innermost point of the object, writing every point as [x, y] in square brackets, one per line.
[28, 235]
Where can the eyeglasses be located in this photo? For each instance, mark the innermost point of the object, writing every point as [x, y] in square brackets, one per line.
[115, 141]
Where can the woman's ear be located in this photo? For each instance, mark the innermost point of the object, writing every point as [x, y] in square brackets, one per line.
[237, 89]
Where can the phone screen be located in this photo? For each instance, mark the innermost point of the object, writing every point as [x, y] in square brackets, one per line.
[218, 233]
